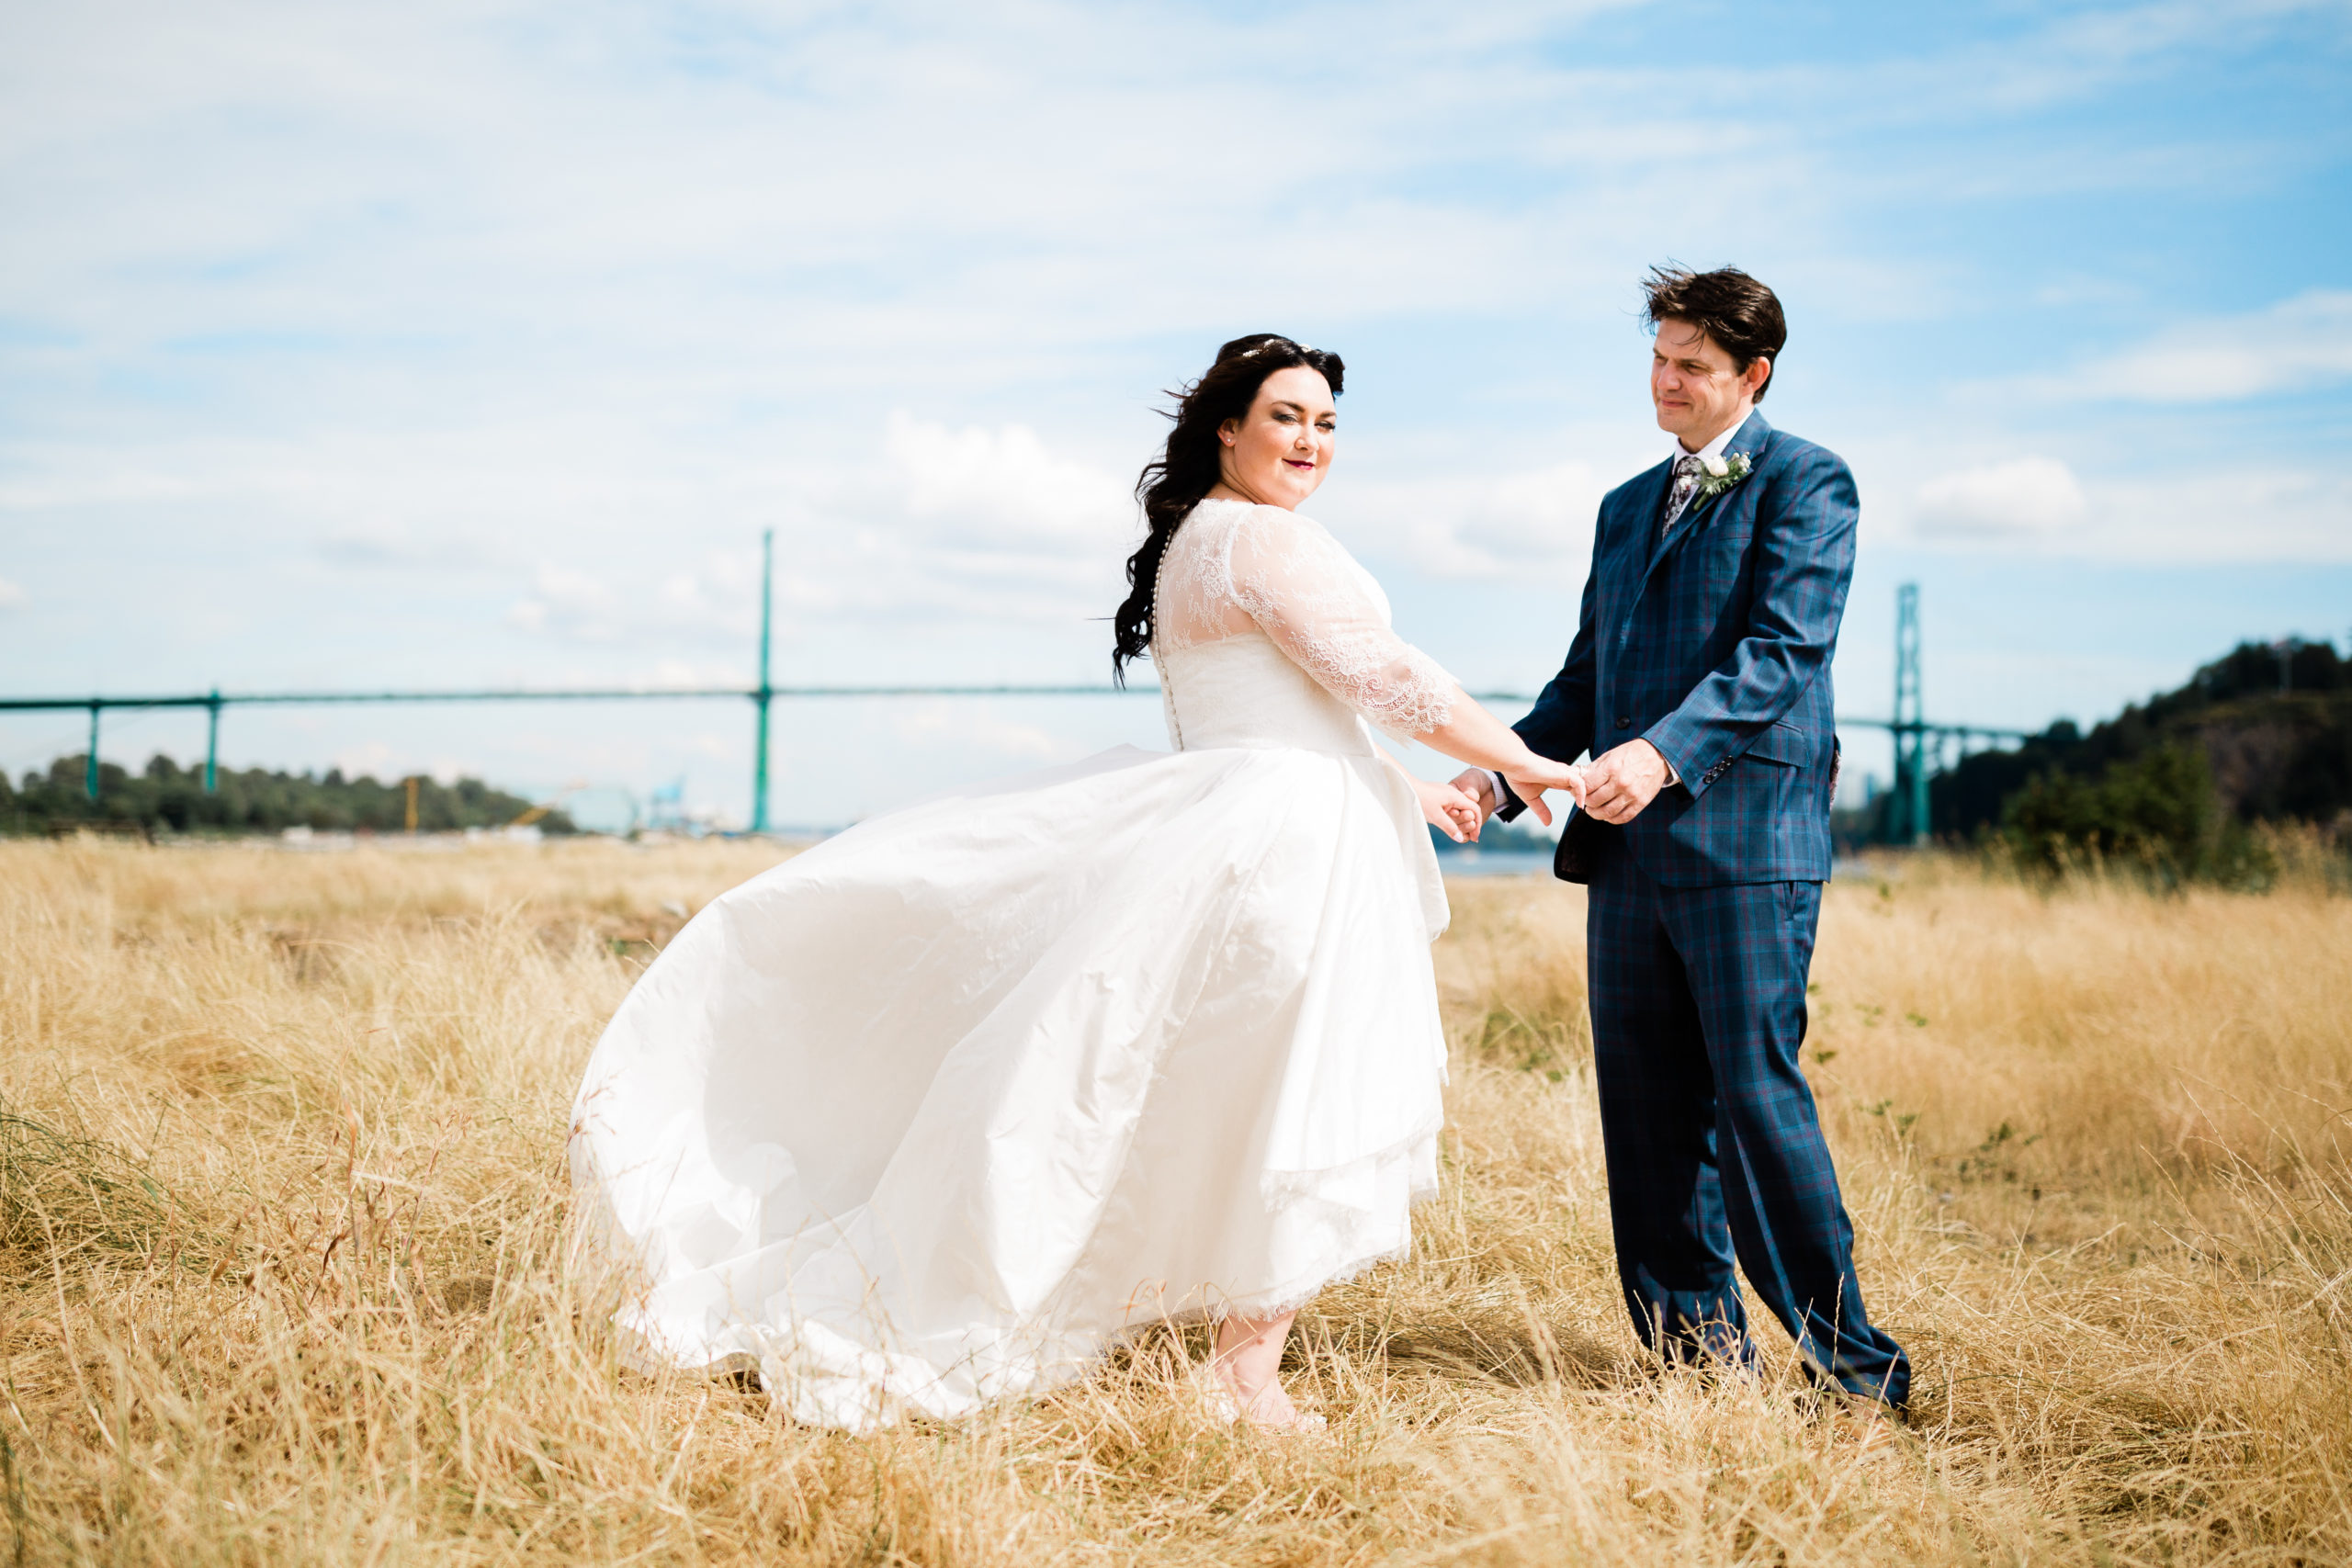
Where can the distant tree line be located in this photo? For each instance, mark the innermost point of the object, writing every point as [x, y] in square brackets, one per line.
[2178, 782]
[168, 797]
[1497, 837]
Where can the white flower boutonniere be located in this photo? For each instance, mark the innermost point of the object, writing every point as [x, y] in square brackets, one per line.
[1717, 475]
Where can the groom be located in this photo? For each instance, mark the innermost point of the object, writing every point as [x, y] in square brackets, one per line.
[1700, 682]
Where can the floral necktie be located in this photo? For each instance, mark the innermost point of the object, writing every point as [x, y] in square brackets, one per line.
[1677, 494]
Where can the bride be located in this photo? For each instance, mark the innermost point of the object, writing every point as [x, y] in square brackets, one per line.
[932, 1114]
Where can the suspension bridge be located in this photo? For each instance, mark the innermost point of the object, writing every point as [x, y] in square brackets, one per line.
[1921, 747]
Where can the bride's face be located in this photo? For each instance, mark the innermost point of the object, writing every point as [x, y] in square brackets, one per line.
[1279, 451]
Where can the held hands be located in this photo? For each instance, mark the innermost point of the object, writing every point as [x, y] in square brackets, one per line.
[1530, 778]
[1533, 777]
[1623, 781]
[1449, 810]
[1479, 786]
[1615, 788]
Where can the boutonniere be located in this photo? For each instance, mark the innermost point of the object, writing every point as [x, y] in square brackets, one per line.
[1717, 475]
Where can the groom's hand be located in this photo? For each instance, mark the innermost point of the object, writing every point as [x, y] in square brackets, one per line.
[1479, 786]
[1625, 780]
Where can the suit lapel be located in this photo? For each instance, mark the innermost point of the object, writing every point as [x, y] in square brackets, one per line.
[1631, 550]
[1748, 441]
[1647, 501]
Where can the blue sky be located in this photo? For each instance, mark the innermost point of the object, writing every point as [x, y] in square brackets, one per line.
[462, 345]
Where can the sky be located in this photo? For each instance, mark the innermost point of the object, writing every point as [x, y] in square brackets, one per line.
[453, 345]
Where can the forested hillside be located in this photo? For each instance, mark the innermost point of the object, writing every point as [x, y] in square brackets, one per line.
[2277, 750]
[166, 797]
[2262, 735]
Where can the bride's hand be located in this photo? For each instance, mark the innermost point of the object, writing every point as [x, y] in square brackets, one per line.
[1540, 773]
[1448, 809]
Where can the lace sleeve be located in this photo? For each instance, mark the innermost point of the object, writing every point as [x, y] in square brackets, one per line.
[1317, 605]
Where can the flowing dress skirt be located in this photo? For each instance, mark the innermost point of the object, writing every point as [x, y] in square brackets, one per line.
[929, 1114]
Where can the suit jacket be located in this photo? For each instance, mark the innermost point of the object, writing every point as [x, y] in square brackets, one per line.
[1714, 644]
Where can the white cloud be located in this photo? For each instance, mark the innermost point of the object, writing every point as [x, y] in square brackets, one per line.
[462, 341]
[936, 726]
[13, 597]
[1003, 486]
[2267, 514]
[1446, 514]
[1536, 520]
[2023, 496]
[986, 524]
[715, 602]
[2297, 345]
[571, 601]
[2141, 513]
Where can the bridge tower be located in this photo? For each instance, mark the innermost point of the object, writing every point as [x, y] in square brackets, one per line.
[1907, 813]
[765, 693]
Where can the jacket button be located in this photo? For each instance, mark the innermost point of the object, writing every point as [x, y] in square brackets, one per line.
[1625, 724]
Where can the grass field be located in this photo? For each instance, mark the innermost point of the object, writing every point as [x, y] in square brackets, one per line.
[282, 1202]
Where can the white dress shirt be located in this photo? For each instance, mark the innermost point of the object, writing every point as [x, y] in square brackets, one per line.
[1712, 449]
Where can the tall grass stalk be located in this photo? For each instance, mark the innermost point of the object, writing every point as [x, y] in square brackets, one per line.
[282, 1221]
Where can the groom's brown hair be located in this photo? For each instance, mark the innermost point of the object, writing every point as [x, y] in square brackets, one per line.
[1742, 315]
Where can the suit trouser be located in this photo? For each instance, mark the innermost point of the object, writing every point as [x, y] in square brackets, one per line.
[1713, 1144]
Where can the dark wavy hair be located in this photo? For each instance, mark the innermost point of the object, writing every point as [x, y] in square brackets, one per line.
[1730, 306]
[1188, 467]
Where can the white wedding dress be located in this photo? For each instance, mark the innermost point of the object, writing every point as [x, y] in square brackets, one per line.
[930, 1114]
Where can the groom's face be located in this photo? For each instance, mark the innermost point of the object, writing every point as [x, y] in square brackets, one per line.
[1698, 388]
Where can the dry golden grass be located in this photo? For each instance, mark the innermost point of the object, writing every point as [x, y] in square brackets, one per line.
[281, 1202]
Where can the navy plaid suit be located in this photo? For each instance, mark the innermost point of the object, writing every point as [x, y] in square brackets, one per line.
[1713, 642]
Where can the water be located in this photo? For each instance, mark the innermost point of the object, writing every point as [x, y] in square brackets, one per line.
[1470, 859]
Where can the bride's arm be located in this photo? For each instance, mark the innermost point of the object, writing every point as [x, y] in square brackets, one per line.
[1309, 600]
[1470, 734]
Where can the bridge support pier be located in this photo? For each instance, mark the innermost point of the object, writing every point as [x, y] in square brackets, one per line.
[1908, 819]
[765, 693]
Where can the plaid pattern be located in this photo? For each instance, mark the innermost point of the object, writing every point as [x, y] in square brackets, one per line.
[1711, 637]
[1715, 1149]
[1711, 640]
